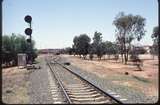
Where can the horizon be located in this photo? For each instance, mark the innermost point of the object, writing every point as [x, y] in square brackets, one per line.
[56, 24]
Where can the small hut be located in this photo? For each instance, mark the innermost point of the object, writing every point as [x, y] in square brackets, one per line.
[22, 60]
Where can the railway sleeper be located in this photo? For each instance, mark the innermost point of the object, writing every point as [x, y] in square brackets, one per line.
[77, 84]
[82, 93]
[98, 99]
[81, 90]
[100, 102]
[76, 88]
[84, 96]
[59, 102]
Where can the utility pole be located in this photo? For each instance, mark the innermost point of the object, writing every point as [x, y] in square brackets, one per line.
[158, 29]
[1, 39]
[1, 24]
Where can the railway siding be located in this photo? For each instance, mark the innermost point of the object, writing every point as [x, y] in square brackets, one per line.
[132, 96]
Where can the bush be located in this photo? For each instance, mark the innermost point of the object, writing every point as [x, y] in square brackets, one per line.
[138, 50]
[67, 63]
[133, 57]
[90, 56]
[12, 45]
[116, 57]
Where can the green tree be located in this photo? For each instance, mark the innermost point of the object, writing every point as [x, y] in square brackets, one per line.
[12, 45]
[97, 39]
[128, 28]
[75, 45]
[155, 36]
[111, 48]
[91, 51]
[101, 50]
[81, 44]
[98, 47]
[7, 54]
[69, 50]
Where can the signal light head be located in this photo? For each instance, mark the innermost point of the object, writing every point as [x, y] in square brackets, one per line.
[28, 31]
[28, 19]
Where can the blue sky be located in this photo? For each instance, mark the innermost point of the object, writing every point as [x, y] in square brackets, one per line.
[56, 22]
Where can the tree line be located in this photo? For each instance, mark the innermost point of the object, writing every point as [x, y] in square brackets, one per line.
[128, 28]
[14, 44]
[83, 46]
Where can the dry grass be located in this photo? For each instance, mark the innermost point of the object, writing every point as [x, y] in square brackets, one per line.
[145, 80]
[14, 86]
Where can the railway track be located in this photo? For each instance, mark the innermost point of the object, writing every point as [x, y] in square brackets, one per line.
[75, 89]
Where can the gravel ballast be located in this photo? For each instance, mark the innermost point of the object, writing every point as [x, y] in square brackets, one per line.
[39, 85]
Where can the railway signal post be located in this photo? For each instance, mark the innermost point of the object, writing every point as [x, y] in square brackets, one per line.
[28, 31]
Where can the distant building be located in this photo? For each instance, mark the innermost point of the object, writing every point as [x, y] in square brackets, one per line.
[46, 51]
[146, 47]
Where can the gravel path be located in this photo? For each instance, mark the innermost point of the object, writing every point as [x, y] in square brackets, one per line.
[39, 85]
[132, 95]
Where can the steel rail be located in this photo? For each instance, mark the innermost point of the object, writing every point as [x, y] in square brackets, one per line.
[97, 88]
[59, 82]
